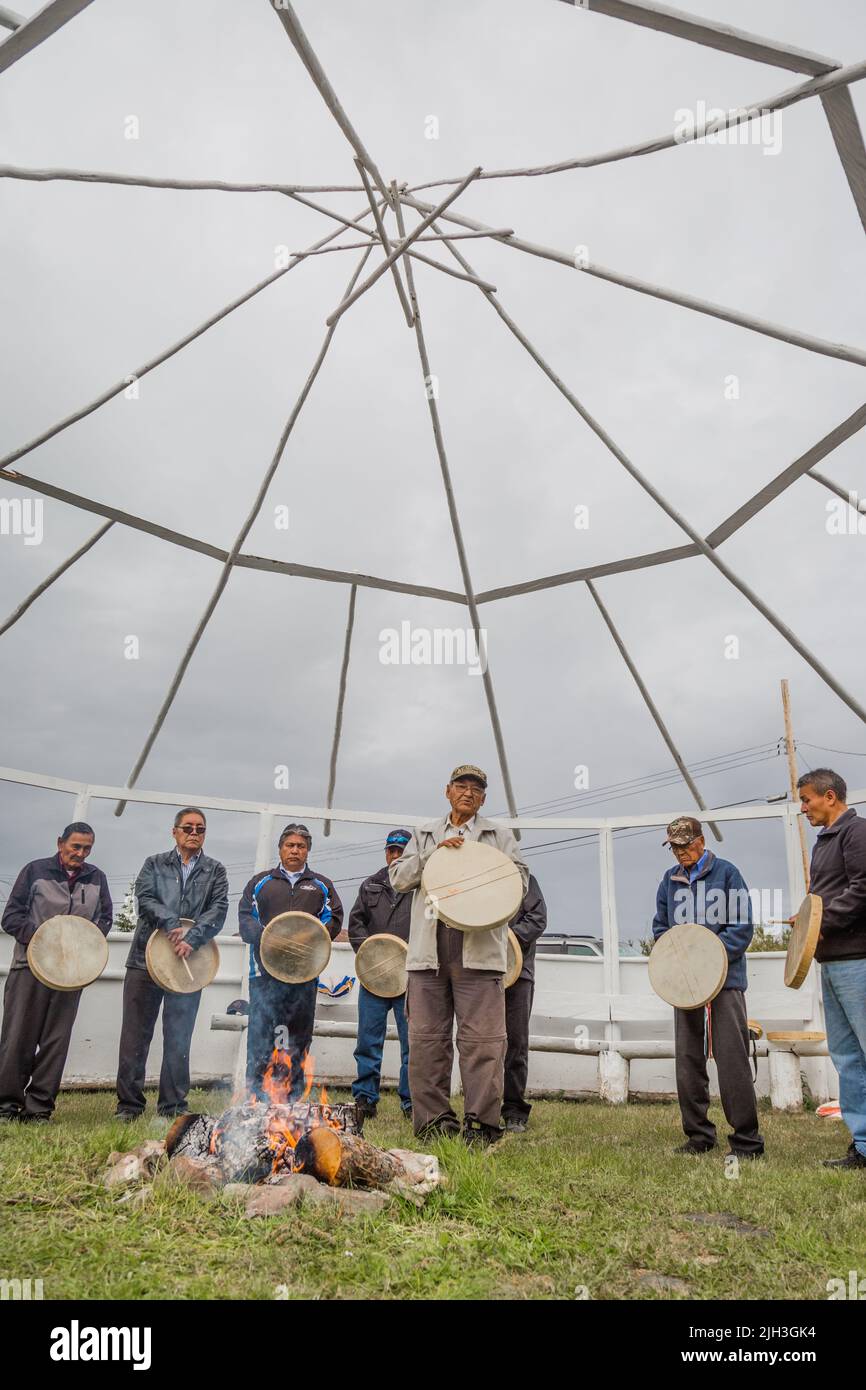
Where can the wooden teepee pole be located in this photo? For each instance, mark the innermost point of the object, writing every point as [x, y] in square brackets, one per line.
[792, 773]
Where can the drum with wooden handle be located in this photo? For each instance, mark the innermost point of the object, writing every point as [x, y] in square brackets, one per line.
[381, 965]
[295, 947]
[67, 953]
[803, 940]
[180, 974]
[473, 888]
[688, 966]
[515, 960]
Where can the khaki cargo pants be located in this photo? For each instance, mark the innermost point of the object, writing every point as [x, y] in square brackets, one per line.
[476, 998]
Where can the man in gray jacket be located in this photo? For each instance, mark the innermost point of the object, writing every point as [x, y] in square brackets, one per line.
[182, 883]
[459, 975]
[37, 1021]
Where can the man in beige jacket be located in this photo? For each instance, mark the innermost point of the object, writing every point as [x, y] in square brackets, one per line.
[455, 974]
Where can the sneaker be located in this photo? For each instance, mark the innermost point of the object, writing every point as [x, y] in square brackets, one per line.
[478, 1135]
[852, 1159]
[690, 1147]
[515, 1124]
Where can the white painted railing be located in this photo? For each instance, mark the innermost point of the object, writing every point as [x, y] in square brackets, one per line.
[605, 1007]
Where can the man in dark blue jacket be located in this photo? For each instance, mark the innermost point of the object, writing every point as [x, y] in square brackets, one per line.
[380, 909]
[37, 1021]
[712, 893]
[281, 1015]
[181, 883]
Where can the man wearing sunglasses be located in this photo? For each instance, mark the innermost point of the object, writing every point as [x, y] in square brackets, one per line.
[282, 1015]
[181, 883]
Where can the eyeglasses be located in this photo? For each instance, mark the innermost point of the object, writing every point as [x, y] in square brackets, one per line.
[191, 829]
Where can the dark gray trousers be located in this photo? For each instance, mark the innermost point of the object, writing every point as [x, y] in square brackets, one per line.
[37, 1027]
[141, 1004]
[518, 1008]
[730, 1037]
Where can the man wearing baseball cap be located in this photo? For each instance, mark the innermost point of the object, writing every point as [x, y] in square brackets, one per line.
[455, 974]
[712, 893]
[380, 909]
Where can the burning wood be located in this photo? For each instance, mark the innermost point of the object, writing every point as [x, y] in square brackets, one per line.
[267, 1142]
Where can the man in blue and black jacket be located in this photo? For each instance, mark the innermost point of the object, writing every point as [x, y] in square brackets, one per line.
[712, 893]
[37, 1021]
[282, 1015]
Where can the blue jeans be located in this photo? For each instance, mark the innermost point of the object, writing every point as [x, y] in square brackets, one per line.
[843, 984]
[372, 1022]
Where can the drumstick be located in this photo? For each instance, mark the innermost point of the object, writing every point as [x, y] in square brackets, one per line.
[187, 969]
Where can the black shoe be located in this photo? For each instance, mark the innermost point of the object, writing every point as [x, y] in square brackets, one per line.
[482, 1136]
[365, 1110]
[406, 1112]
[852, 1159]
[515, 1124]
[692, 1148]
[440, 1129]
[126, 1117]
[745, 1153]
[173, 1114]
[9, 1117]
[41, 1118]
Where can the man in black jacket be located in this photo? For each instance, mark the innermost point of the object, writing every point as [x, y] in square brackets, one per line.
[181, 883]
[838, 876]
[380, 909]
[37, 1021]
[281, 1015]
[527, 926]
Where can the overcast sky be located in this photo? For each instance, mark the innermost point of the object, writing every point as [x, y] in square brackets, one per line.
[96, 280]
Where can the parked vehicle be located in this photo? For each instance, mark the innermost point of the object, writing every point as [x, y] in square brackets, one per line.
[560, 944]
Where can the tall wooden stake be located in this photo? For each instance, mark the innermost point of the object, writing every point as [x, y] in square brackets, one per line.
[792, 773]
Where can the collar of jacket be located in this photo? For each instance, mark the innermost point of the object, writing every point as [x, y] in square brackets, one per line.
[437, 826]
[86, 870]
[679, 875]
[306, 872]
[171, 857]
[837, 824]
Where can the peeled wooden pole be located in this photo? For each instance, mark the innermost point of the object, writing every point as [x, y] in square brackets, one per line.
[55, 574]
[233, 554]
[667, 507]
[168, 352]
[457, 530]
[792, 774]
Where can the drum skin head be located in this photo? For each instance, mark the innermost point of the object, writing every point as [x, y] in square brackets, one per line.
[688, 966]
[473, 888]
[67, 953]
[803, 940]
[515, 960]
[295, 947]
[166, 968]
[380, 964]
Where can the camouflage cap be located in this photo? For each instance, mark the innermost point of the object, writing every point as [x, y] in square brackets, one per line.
[682, 831]
[468, 770]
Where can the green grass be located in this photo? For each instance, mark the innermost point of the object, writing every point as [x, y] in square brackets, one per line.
[591, 1196]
